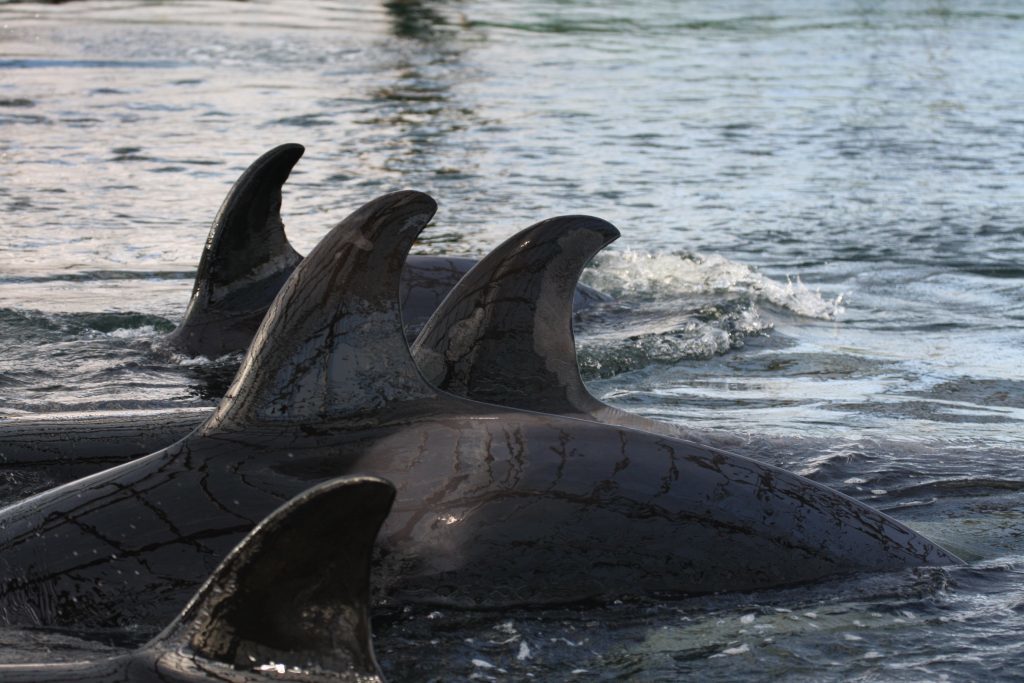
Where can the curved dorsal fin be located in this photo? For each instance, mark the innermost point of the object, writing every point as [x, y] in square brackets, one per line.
[504, 333]
[246, 259]
[295, 591]
[331, 344]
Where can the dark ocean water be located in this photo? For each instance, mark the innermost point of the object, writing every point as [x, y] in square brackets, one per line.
[822, 264]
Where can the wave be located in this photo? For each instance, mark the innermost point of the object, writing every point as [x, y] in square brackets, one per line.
[677, 306]
[56, 327]
[637, 275]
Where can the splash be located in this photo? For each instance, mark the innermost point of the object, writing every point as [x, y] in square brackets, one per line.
[678, 337]
[142, 332]
[665, 276]
[670, 307]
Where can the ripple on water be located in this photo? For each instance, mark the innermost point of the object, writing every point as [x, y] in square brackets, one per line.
[739, 164]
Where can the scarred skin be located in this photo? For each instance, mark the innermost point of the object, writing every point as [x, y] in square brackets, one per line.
[290, 602]
[246, 259]
[494, 507]
[504, 333]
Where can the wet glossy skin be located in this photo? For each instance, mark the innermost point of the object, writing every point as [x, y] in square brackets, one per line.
[494, 506]
[504, 335]
[77, 444]
[295, 593]
[426, 281]
[153, 667]
[68, 446]
[247, 258]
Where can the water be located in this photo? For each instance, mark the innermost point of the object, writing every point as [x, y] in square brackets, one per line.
[821, 264]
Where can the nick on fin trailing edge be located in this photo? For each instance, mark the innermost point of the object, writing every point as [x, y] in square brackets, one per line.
[290, 602]
[494, 506]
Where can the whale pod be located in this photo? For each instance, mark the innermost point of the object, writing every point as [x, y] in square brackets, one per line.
[245, 260]
[494, 506]
[290, 602]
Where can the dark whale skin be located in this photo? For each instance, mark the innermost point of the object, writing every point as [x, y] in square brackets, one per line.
[494, 506]
[290, 602]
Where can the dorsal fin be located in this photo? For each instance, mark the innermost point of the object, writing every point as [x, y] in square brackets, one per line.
[295, 591]
[504, 333]
[332, 344]
[246, 259]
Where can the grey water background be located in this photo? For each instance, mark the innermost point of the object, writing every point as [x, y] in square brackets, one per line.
[822, 265]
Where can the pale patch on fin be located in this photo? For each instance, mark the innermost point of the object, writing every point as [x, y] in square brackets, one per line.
[332, 345]
[246, 259]
[504, 333]
[294, 595]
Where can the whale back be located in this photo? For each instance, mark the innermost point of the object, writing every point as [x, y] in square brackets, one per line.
[247, 258]
[495, 505]
[295, 591]
[504, 333]
[292, 597]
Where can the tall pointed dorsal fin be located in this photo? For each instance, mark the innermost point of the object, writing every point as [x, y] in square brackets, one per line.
[246, 259]
[504, 333]
[332, 344]
[295, 591]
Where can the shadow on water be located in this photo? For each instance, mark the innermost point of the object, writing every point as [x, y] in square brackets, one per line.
[415, 19]
[421, 104]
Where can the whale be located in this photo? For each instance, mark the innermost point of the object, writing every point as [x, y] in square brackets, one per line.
[504, 333]
[289, 602]
[55, 448]
[247, 257]
[494, 506]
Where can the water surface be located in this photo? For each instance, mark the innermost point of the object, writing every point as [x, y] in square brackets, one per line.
[821, 263]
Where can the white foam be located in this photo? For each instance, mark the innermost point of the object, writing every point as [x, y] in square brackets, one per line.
[731, 651]
[638, 274]
[142, 332]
